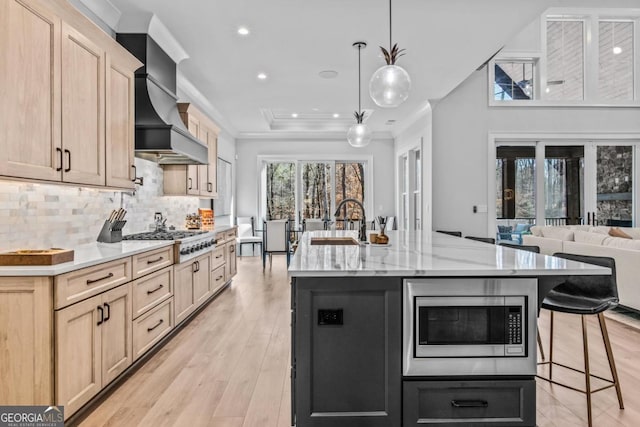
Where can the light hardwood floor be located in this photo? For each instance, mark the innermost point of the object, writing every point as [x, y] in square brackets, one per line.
[230, 366]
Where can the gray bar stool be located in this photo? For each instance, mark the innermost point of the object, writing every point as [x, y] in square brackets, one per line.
[585, 295]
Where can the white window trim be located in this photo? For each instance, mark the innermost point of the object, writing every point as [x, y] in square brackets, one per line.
[590, 17]
[298, 159]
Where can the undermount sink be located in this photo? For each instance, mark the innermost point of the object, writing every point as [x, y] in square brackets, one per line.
[342, 241]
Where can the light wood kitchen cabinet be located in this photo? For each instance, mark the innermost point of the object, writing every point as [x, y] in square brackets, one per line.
[56, 115]
[191, 287]
[120, 120]
[26, 341]
[195, 180]
[148, 291]
[93, 346]
[82, 109]
[151, 327]
[30, 87]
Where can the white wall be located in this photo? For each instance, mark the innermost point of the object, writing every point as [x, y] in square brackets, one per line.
[247, 178]
[462, 122]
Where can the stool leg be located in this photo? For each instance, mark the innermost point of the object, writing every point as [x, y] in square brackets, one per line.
[612, 363]
[551, 346]
[540, 345]
[587, 373]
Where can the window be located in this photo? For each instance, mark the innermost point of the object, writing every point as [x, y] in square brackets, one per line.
[280, 190]
[513, 80]
[350, 185]
[582, 59]
[565, 60]
[615, 67]
[307, 189]
[316, 190]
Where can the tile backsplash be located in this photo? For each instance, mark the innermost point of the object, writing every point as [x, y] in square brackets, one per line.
[50, 215]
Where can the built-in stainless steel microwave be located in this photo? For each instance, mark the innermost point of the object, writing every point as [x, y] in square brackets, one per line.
[469, 326]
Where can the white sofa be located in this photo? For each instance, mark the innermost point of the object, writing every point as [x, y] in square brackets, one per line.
[596, 241]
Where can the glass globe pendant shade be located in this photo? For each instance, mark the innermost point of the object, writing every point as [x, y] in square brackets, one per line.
[359, 135]
[389, 86]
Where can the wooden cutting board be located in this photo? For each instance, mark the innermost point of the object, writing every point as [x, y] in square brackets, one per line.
[36, 256]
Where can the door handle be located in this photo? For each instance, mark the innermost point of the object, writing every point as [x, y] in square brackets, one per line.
[209, 187]
[469, 403]
[108, 307]
[108, 276]
[101, 310]
[155, 290]
[135, 173]
[68, 153]
[153, 261]
[59, 150]
[190, 184]
[156, 325]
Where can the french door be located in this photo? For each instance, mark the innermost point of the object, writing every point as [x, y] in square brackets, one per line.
[567, 182]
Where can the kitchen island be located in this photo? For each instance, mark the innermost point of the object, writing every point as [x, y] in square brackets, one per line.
[358, 360]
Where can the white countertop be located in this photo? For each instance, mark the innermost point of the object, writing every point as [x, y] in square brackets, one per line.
[86, 256]
[426, 254]
[93, 254]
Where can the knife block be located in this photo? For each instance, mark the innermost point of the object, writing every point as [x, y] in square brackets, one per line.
[111, 232]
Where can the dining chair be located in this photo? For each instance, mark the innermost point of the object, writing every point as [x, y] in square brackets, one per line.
[247, 233]
[275, 240]
[313, 224]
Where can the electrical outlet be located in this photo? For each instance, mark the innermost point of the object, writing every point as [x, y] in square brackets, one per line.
[329, 316]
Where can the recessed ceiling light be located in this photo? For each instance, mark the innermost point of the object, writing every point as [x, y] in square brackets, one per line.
[547, 90]
[294, 115]
[336, 115]
[617, 50]
[262, 76]
[328, 74]
[315, 109]
[243, 31]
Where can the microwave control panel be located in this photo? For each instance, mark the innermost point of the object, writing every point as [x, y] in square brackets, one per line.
[514, 325]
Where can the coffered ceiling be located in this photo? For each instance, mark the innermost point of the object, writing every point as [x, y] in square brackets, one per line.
[292, 41]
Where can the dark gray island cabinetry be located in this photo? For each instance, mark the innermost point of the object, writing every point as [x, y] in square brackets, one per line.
[432, 330]
[346, 351]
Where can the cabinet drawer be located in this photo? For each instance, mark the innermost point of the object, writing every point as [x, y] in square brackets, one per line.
[490, 403]
[150, 290]
[148, 262]
[230, 235]
[149, 328]
[77, 285]
[217, 279]
[217, 257]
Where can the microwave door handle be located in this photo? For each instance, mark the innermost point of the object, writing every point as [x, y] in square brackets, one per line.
[469, 403]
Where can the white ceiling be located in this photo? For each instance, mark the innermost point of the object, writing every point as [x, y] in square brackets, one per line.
[293, 40]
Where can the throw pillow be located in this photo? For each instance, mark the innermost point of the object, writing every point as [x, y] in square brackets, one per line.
[504, 232]
[616, 232]
[589, 238]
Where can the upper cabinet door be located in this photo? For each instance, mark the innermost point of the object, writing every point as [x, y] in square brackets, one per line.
[30, 88]
[82, 109]
[212, 142]
[120, 124]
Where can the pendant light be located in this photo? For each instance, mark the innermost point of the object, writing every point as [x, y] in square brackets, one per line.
[359, 135]
[390, 84]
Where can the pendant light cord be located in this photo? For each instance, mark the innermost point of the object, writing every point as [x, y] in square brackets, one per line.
[390, 42]
[359, 94]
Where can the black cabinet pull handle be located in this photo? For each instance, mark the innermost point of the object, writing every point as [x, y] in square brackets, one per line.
[209, 187]
[153, 261]
[232, 249]
[155, 290]
[135, 173]
[108, 307]
[190, 184]
[68, 153]
[194, 267]
[156, 325]
[469, 403]
[219, 256]
[198, 263]
[108, 276]
[219, 277]
[101, 310]
[59, 150]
